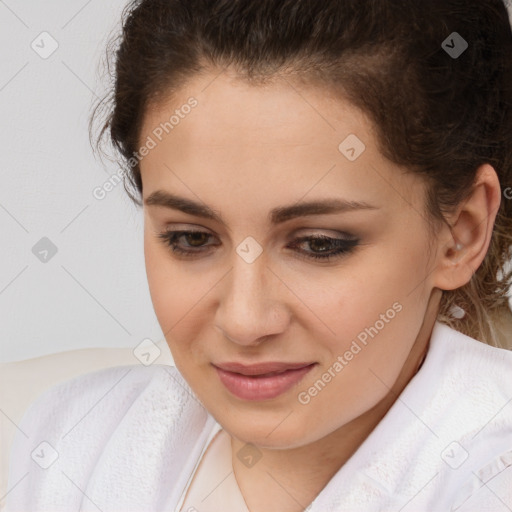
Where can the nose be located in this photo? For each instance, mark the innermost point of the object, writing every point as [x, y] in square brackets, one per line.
[250, 306]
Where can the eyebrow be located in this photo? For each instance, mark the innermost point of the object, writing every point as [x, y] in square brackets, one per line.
[276, 216]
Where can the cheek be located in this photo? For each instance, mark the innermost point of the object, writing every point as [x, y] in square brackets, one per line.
[179, 296]
[159, 282]
[171, 292]
[339, 302]
[368, 314]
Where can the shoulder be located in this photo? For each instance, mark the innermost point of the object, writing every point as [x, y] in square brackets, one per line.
[68, 429]
[469, 350]
[105, 394]
[470, 366]
[471, 413]
[453, 421]
[467, 386]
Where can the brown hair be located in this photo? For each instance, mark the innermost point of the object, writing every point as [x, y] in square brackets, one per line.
[438, 114]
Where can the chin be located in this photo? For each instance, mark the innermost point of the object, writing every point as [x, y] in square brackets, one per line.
[269, 430]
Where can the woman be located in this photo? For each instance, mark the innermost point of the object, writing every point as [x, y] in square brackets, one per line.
[328, 218]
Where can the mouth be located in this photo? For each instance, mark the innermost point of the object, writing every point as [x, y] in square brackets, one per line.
[262, 381]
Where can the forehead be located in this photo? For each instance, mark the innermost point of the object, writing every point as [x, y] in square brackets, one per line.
[281, 140]
[281, 111]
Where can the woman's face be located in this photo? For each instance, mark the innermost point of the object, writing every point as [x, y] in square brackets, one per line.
[258, 171]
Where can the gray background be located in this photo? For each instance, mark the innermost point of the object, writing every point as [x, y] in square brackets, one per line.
[93, 292]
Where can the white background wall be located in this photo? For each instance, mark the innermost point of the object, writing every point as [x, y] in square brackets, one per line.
[93, 291]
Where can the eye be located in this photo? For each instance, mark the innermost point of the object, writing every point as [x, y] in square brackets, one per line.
[323, 247]
[171, 238]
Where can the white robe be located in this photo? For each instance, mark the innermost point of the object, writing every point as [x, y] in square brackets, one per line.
[128, 439]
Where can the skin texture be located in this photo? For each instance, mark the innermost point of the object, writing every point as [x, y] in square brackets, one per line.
[244, 150]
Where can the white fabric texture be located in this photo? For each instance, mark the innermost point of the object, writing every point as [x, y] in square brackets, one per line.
[129, 439]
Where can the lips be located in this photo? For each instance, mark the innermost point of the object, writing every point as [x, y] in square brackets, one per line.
[261, 381]
[260, 368]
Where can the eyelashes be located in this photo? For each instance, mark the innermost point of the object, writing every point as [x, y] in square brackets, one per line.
[340, 247]
[324, 248]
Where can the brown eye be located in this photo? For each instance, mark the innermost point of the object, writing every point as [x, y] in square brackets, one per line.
[324, 247]
[194, 239]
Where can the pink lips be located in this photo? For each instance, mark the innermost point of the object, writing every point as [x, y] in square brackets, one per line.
[261, 381]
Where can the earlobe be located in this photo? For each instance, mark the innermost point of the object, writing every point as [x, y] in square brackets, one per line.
[453, 269]
[470, 232]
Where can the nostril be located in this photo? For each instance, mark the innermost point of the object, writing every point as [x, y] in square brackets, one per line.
[238, 342]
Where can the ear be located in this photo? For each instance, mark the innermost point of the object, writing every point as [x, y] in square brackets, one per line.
[463, 247]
